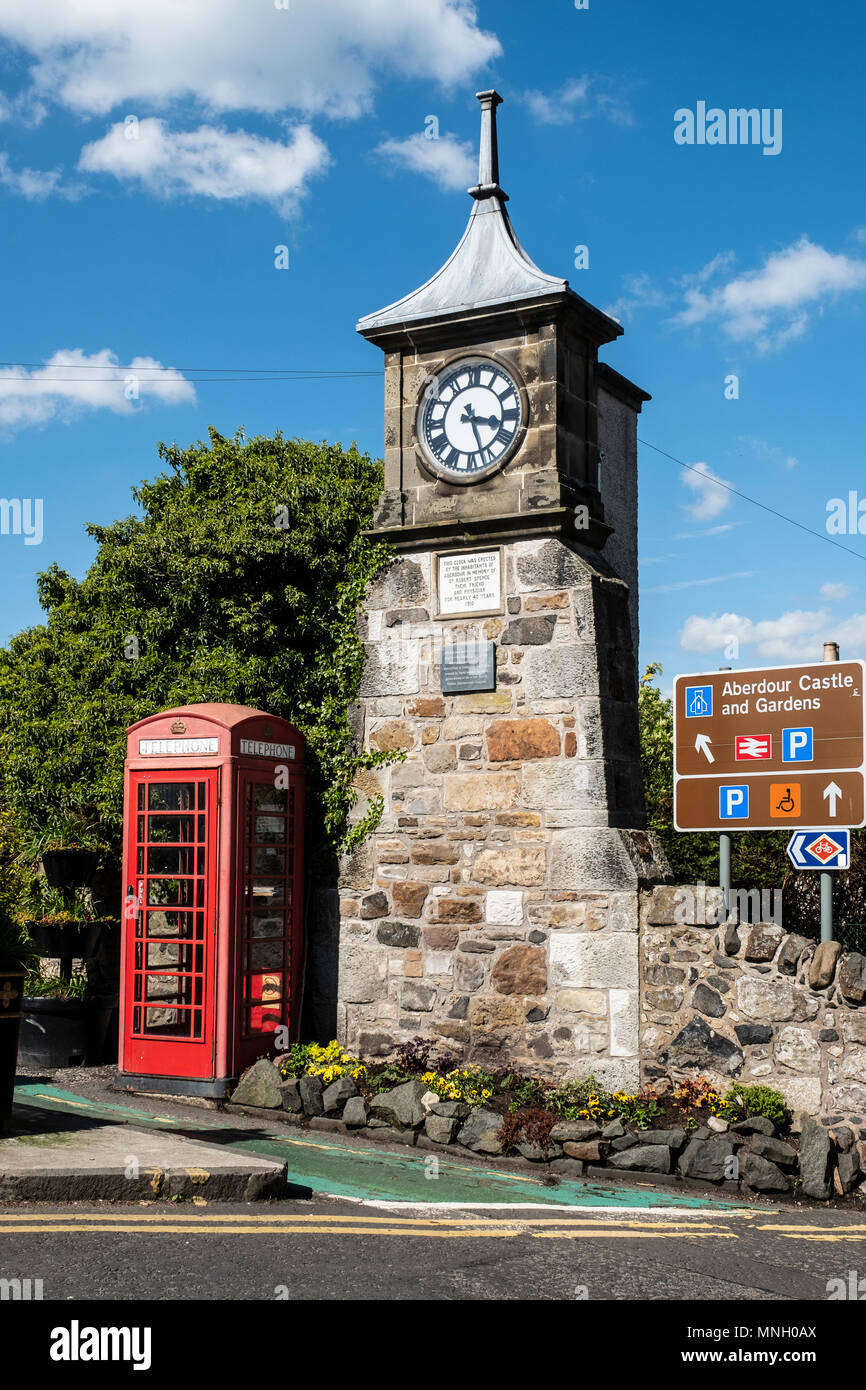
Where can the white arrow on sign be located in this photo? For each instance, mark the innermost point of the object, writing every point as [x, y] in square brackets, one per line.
[702, 745]
[795, 848]
[832, 794]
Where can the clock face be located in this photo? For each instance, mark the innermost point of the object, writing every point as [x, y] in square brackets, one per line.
[469, 420]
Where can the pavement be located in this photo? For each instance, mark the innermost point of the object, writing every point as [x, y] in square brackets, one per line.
[67, 1142]
[72, 1158]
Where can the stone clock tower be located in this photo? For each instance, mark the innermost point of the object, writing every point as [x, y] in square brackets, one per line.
[496, 906]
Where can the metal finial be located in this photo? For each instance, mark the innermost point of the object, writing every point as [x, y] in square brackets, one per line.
[488, 160]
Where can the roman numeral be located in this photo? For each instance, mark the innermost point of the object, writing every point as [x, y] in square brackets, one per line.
[504, 437]
[511, 414]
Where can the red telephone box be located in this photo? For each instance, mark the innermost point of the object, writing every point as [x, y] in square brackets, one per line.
[213, 868]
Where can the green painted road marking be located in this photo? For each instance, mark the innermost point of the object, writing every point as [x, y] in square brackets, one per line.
[370, 1173]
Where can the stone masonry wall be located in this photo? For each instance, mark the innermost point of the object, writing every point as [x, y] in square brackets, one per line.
[496, 907]
[751, 1003]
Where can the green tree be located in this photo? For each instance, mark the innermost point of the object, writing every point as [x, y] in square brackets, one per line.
[238, 581]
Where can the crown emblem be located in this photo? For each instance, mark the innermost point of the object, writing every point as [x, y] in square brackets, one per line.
[268, 730]
[178, 727]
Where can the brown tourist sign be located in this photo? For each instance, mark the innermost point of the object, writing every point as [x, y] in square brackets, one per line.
[769, 748]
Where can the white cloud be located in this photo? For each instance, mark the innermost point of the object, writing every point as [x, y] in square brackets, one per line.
[234, 55]
[795, 636]
[834, 593]
[712, 492]
[34, 184]
[639, 292]
[208, 162]
[581, 97]
[449, 162]
[767, 306]
[708, 531]
[699, 583]
[73, 382]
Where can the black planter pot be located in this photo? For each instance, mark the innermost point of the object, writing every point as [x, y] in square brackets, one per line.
[54, 1032]
[60, 943]
[11, 1000]
[70, 868]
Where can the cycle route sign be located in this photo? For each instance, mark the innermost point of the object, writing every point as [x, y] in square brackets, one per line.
[766, 749]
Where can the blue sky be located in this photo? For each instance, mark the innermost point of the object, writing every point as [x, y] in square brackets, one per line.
[255, 126]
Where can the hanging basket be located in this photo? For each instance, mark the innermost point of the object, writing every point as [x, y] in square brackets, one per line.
[59, 942]
[70, 868]
[54, 1032]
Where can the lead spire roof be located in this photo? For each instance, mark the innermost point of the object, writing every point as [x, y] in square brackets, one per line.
[489, 266]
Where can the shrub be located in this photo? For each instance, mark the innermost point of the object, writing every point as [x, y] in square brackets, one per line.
[421, 1055]
[581, 1100]
[742, 1102]
[525, 1091]
[533, 1126]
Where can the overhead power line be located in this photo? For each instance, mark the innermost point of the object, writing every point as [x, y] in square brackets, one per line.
[819, 535]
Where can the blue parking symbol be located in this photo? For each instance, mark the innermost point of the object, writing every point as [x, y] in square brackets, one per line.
[734, 803]
[699, 701]
[797, 745]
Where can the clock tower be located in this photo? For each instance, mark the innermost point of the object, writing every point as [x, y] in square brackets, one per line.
[496, 905]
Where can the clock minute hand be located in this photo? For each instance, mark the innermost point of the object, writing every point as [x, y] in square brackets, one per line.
[468, 418]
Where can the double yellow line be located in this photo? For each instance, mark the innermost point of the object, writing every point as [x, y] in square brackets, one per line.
[442, 1228]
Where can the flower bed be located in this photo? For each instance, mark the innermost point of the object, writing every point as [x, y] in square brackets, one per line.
[420, 1097]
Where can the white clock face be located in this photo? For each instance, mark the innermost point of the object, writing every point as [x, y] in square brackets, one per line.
[469, 420]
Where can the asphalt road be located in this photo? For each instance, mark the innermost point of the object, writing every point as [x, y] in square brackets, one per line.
[333, 1250]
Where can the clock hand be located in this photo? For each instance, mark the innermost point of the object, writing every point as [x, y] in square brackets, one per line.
[468, 418]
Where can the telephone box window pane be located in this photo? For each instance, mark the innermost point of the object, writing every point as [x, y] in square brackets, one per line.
[264, 1020]
[264, 796]
[142, 821]
[168, 1023]
[266, 955]
[265, 988]
[269, 861]
[169, 989]
[270, 830]
[172, 796]
[170, 924]
[171, 830]
[170, 861]
[201, 834]
[167, 955]
[142, 793]
[170, 892]
[268, 924]
[267, 892]
[202, 796]
[139, 861]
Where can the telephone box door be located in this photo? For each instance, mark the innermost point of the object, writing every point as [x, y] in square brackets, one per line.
[170, 926]
[270, 819]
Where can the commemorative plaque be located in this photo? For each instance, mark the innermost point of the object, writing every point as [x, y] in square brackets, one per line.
[468, 666]
[469, 583]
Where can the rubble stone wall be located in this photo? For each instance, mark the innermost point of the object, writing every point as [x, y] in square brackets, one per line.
[752, 1003]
